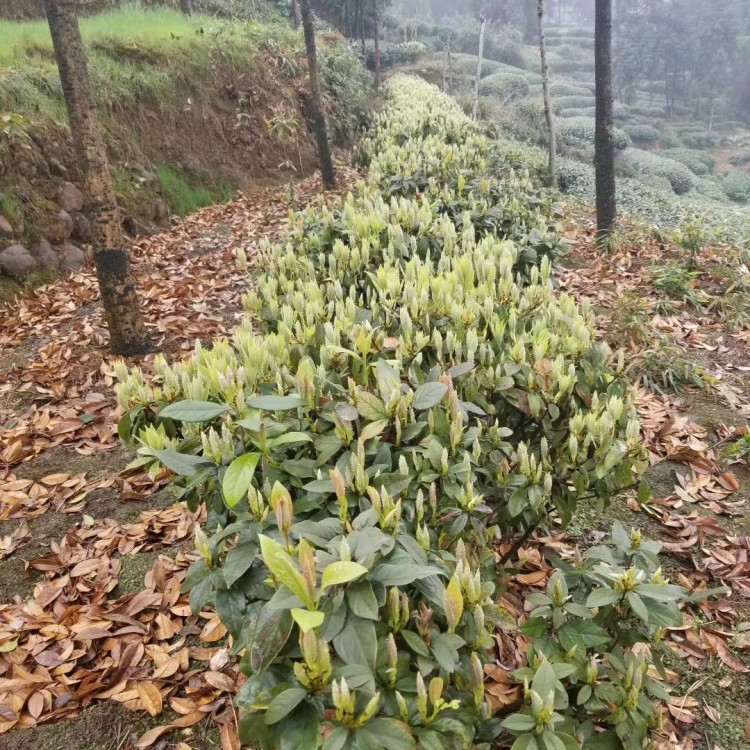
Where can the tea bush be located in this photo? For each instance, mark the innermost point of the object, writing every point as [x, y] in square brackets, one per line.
[391, 55]
[575, 102]
[710, 189]
[408, 386]
[642, 133]
[578, 132]
[645, 162]
[736, 185]
[698, 162]
[560, 88]
[504, 86]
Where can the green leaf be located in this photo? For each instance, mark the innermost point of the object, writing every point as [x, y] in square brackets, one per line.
[282, 566]
[388, 378]
[584, 634]
[666, 593]
[284, 703]
[357, 642]
[373, 429]
[341, 572]
[272, 631]
[429, 395]
[602, 597]
[638, 606]
[290, 437]
[390, 734]
[525, 742]
[307, 620]
[238, 477]
[238, 561]
[603, 741]
[183, 464]
[275, 403]
[337, 738]
[370, 406]
[193, 411]
[230, 606]
[415, 642]
[545, 680]
[518, 723]
[302, 730]
[362, 600]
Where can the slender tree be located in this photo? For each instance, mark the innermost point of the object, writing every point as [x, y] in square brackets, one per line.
[186, 6]
[319, 118]
[122, 307]
[475, 106]
[376, 32]
[604, 143]
[446, 61]
[548, 113]
[296, 20]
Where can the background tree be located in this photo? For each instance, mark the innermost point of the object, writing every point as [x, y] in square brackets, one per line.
[296, 19]
[475, 106]
[186, 6]
[319, 118]
[548, 112]
[604, 142]
[122, 307]
[376, 33]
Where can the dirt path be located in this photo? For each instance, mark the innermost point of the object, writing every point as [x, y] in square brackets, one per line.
[93, 628]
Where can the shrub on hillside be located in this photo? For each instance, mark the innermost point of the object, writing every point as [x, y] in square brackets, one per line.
[737, 186]
[347, 92]
[698, 162]
[504, 86]
[648, 163]
[578, 132]
[584, 112]
[575, 102]
[467, 65]
[740, 158]
[697, 137]
[642, 133]
[391, 55]
[710, 189]
[559, 89]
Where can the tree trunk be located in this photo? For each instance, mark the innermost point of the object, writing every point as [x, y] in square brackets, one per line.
[446, 58]
[377, 45]
[319, 118]
[475, 106]
[122, 308]
[548, 113]
[186, 6]
[295, 14]
[362, 28]
[604, 144]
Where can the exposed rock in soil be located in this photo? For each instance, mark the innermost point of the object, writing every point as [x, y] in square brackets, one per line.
[59, 228]
[71, 257]
[70, 197]
[16, 261]
[45, 255]
[5, 227]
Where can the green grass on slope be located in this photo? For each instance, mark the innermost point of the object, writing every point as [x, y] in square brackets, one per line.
[143, 27]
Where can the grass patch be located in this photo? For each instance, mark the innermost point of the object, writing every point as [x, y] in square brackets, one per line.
[184, 197]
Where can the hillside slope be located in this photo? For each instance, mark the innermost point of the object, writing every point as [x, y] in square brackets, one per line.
[193, 109]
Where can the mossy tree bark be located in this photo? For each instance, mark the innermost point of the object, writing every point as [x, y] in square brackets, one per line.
[475, 105]
[122, 307]
[548, 113]
[604, 143]
[319, 118]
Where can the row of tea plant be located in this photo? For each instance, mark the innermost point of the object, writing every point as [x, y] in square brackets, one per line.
[408, 390]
